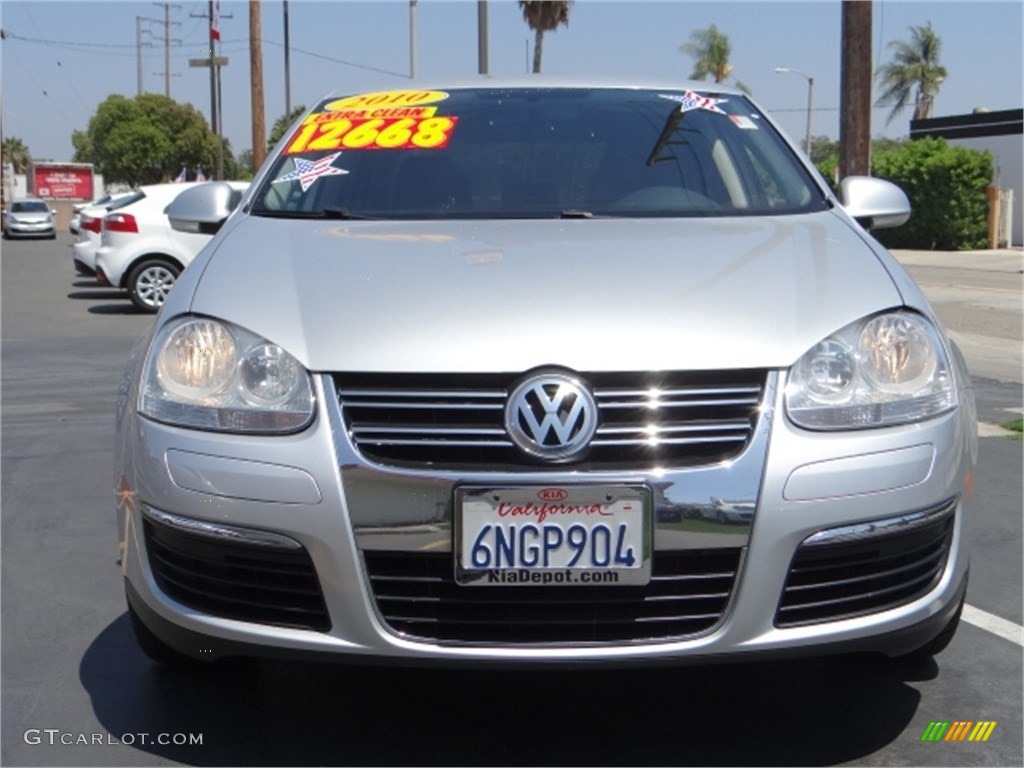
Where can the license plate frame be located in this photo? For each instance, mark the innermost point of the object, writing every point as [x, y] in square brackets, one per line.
[546, 555]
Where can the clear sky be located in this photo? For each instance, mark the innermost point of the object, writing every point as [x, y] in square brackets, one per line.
[78, 53]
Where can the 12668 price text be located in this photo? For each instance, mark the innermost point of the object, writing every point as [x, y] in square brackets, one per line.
[372, 133]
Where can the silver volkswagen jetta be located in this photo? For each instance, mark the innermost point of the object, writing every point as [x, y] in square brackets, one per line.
[527, 374]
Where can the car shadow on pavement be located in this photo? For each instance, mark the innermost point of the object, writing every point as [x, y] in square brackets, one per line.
[124, 308]
[802, 712]
[103, 295]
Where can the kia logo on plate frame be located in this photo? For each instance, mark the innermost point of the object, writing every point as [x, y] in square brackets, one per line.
[551, 416]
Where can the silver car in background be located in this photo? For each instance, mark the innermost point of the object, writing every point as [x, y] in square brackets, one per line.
[29, 217]
[543, 373]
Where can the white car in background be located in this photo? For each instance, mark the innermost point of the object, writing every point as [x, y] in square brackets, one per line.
[141, 253]
[76, 210]
[86, 225]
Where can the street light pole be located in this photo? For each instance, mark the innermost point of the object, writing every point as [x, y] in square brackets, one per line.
[810, 102]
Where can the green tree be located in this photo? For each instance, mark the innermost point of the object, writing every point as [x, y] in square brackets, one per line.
[16, 153]
[825, 155]
[822, 148]
[947, 190]
[915, 65]
[282, 124]
[710, 49]
[245, 171]
[145, 140]
[541, 17]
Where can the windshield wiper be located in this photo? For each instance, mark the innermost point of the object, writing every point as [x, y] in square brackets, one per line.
[337, 214]
[343, 215]
[573, 213]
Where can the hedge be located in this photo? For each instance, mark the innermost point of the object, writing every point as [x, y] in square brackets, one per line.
[947, 190]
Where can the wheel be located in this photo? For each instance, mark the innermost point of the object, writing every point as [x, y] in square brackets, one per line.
[150, 281]
[155, 648]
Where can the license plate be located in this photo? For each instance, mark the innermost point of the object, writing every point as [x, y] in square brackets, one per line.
[552, 536]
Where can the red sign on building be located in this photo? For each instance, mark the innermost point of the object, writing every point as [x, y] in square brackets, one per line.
[62, 181]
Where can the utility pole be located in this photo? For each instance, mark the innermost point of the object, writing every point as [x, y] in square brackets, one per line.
[214, 63]
[855, 90]
[138, 49]
[214, 112]
[481, 26]
[167, 40]
[287, 66]
[259, 133]
[167, 50]
[412, 39]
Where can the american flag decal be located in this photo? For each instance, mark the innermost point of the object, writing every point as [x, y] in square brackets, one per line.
[690, 100]
[308, 171]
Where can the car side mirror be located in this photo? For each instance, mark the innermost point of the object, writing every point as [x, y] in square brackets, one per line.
[874, 203]
[204, 208]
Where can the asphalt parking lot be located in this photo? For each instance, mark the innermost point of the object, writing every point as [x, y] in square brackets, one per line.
[77, 691]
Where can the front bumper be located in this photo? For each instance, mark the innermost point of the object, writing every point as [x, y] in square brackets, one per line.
[21, 229]
[315, 489]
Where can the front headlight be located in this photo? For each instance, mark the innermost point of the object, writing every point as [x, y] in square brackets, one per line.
[208, 374]
[880, 371]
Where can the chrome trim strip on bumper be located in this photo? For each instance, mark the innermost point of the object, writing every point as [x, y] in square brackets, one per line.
[886, 527]
[221, 531]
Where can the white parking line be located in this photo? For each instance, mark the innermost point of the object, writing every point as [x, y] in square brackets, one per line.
[990, 623]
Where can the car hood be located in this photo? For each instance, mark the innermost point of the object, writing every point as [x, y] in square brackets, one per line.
[511, 295]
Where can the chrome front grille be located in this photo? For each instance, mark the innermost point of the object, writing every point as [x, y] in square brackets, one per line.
[417, 597]
[458, 421]
[261, 584]
[870, 569]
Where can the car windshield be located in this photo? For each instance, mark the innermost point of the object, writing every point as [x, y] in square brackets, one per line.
[29, 206]
[535, 153]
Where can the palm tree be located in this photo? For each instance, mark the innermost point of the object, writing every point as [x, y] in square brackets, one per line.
[914, 64]
[16, 153]
[544, 16]
[711, 50]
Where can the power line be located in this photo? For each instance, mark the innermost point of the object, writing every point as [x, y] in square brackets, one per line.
[104, 49]
[56, 102]
[403, 75]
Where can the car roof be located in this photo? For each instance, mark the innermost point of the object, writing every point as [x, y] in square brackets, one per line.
[544, 81]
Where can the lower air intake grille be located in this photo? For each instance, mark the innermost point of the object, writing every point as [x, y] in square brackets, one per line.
[828, 582]
[458, 421]
[417, 596]
[261, 584]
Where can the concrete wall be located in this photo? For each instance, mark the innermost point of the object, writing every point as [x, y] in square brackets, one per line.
[1008, 152]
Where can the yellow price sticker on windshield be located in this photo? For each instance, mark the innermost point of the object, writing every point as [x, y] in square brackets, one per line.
[386, 99]
[374, 133]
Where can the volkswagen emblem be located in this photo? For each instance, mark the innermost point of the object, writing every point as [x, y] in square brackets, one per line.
[551, 416]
